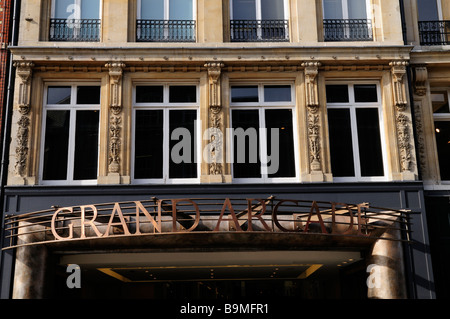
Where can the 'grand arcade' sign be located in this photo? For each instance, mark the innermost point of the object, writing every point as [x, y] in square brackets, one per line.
[183, 215]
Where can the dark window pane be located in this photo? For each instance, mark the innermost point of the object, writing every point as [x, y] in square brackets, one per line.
[337, 93]
[244, 9]
[366, 93]
[58, 95]
[149, 94]
[183, 94]
[341, 147]
[369, 141]
[86, 145]
[440, 102]
[443, 147]
[428, 10]
[185, 165]
[272, 9]
[56, 145]
[277, 93]
[281, 120]
[246, 144]
[88, 95]
[244, 94]
[148, 157]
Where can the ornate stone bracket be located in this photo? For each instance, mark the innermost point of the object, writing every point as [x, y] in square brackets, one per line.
[398, 72]
[215, 117]
[420, 79]
[312, 104]
[24, 71]
[115, 121]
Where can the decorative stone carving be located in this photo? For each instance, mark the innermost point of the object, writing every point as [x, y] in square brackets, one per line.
[404, 137]
[115, 105]
[24, 71]
[115, 75]
[398, 71]
[420, 137]
[420, 79]
[114, 143]
[312, 104]
[215, 117]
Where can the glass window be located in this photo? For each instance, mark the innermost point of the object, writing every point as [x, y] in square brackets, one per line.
[428, 10]
[166, 9]
[356, 147]
[180, 10]
[441, 114]
[345, 9]
[244, 94]
[165, 146]
[71, 134]
[277, 93]
[76, 9]
[258, 9]
[152, 9]
[440, 102]
[263, 134]
[332, 9]
[244, 9]
[272, 9]
[149, 94]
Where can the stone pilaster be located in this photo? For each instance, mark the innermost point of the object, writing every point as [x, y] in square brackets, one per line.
[314, 120]
[115, 120]
[24, 72]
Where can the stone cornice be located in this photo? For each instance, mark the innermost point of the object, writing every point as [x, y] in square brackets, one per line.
[268, 53]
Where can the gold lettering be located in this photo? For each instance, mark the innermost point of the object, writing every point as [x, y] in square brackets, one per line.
[187, 218]
[315, 208]
[53, 226]
[141, 208]
[89, 222]
[122, 221]
[226, 204]
[257, 215]
[275, 215]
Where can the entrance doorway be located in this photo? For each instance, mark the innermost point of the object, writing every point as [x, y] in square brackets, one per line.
[215, 275]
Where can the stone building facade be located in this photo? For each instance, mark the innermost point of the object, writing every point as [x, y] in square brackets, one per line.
[102, 87]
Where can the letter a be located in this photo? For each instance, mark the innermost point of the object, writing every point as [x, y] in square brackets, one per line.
[74, 279]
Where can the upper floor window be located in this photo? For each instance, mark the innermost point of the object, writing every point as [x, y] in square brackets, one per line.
[165, 133]
[71, 134]
[259, 20]
[433, 30]
[355, 134]
[263, 139]
[347, 20]
[166, 20]
[441, 114]
[75, 20]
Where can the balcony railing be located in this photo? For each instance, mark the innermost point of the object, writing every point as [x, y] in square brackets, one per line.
[165, 30]
[434, 32]
[83, 30]
[259, 30]
[347, 30]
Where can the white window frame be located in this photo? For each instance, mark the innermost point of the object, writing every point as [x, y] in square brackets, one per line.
[166, 107]
[261, 106]
[352, 106]
[442, 117]
[72, 108]
[166, 10]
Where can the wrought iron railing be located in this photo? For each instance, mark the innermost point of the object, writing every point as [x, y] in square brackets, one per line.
[165, 30]
[347, 30]
[434, 32]
[83, 30]
[259, 30]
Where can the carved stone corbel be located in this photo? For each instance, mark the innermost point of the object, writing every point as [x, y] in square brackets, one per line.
[312, 104]
[404, 136]
[24, 71]
[115, 121]
[215, 117]
[420, 80]
[398, 71]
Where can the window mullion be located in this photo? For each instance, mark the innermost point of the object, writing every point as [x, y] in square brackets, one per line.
[166, 144]
[71, 148]
[263, 143]
[355, 141]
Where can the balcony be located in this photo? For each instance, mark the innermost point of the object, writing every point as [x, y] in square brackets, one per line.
[347, 30]
[165, 30]
[259, 30]
[434, 32]
[80, 30]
